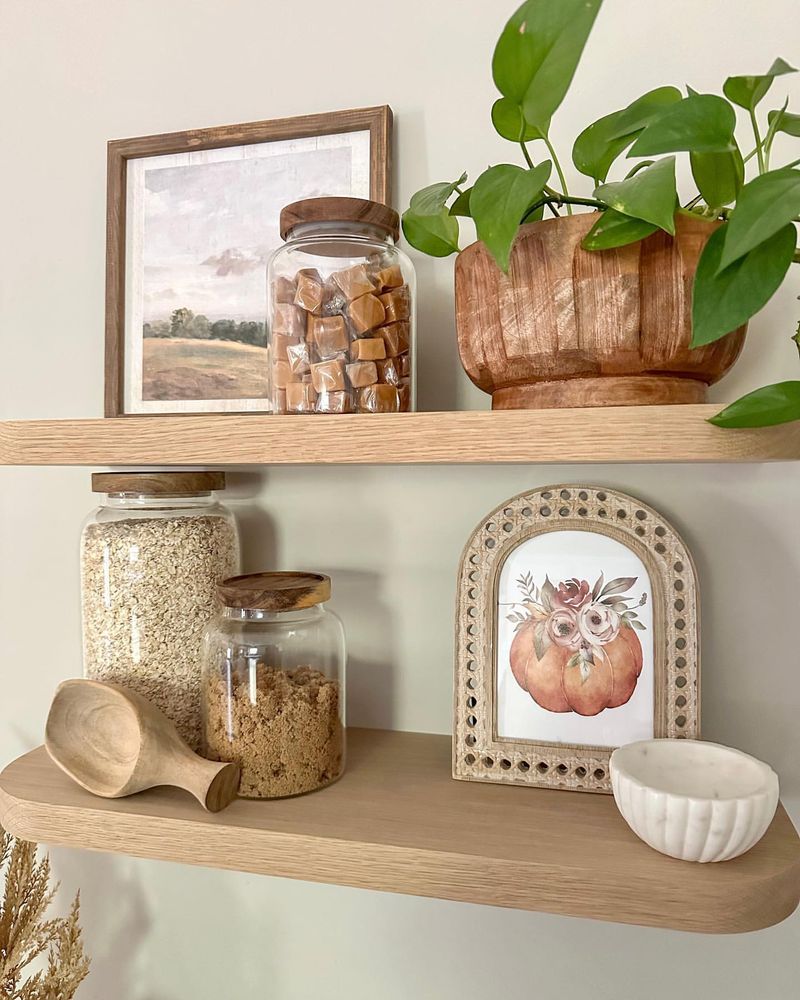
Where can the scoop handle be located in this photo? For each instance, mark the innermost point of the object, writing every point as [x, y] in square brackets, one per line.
[213, 784]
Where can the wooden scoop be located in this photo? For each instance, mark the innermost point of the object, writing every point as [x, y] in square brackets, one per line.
[113, 743]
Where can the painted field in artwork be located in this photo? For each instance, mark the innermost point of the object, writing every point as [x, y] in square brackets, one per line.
[176, 368]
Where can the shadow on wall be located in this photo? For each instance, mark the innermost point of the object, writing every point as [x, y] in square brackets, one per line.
[370, 681]
[115, 917]
[740, 682]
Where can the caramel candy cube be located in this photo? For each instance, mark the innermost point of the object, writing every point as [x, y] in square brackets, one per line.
[369, 349]
[395, 336]
[283, 289]
[404, 364]
[301, 397]
[354, 281]
[396, 304]
[329, 334]
[362, 373]
[279, 401]
[404, 390]
[388, 371]
[280, 344]
[309, 291]
[287, 319]
[378, 398]
[389, 277]
[298, 357]
[334, 402]
[366, 312]
[334, 301]
[281, 374]
[328, 376]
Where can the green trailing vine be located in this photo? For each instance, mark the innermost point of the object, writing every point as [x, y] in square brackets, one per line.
[744, 261]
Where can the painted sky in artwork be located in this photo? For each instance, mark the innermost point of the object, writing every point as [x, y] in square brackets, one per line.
[209, 228]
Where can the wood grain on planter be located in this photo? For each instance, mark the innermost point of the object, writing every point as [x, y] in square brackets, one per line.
[570, 327]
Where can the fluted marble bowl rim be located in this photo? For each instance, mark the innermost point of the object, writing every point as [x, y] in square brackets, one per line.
[618, 768]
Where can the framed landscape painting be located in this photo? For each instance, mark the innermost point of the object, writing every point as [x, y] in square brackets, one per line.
[577, 632]
[192, 220]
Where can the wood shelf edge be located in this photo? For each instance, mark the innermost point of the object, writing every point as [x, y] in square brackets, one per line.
[159, 825]
[613, 434]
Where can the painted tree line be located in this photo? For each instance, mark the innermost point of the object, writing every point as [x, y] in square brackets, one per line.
[184, 323]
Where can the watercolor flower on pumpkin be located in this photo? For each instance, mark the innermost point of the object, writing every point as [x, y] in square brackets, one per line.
[576, 616]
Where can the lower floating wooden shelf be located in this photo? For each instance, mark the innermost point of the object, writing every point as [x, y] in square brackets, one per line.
[397, 822]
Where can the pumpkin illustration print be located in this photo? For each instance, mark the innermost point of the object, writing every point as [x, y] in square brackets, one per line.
[575, 646]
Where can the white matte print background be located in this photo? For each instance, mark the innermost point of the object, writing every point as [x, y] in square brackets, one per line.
[200, 228]
[562, 555]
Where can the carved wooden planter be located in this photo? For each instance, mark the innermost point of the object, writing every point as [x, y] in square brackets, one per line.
[569, 327]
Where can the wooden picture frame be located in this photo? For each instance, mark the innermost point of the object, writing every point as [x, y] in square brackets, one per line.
[530, 523]
[376, 121]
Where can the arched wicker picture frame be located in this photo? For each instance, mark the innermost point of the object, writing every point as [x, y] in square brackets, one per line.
[479, 754]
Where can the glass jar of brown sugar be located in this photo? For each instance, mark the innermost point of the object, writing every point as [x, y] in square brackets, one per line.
[273, 684]
[341, 321]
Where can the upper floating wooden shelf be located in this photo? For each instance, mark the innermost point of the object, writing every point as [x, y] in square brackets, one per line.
[398, 822]
[614, 434]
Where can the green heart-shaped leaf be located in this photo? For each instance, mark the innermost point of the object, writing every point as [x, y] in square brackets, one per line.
[773, 404]
[601, 143]
[723, 300]
[788, 123]
[538, 52]
[500, 199]
[700, 123]
[718, 176]
[430, 200]
[461, 205]
[436, 235]
[747, 91]
[642, 111]
[764, 206]
[613, 229]
[649, 195]
[509, 122]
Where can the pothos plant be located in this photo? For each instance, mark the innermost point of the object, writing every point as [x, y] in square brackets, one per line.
[744, 261]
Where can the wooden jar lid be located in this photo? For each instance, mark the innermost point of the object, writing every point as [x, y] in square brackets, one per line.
[275, 591]
[157, 484]
[371, 213]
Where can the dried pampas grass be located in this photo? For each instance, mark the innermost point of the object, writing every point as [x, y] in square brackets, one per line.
[27, 935]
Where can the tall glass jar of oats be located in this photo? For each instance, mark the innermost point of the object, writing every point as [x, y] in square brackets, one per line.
[152, 555]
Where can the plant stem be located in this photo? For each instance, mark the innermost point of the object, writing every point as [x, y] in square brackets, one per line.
[759, 147]
[560, 172]
[690, 204]
[771, 131]
[557, 198]
[526, 154]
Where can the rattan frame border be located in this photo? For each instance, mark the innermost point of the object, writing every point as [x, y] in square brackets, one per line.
[478, 755]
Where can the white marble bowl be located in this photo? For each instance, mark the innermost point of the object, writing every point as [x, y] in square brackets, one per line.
[693, 800]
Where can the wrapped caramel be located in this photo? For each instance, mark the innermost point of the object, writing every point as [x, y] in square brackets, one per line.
[341, 323]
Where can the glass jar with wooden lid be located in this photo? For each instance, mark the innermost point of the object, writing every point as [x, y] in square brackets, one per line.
[273, 684]
[341, 319]
[152, 555]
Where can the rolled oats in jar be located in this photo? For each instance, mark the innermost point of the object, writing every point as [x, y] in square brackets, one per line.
[151, 557]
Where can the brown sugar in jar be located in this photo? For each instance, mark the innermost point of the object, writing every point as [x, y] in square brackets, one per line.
[273, 684]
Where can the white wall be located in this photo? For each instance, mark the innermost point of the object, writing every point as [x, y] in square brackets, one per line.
[78, 72]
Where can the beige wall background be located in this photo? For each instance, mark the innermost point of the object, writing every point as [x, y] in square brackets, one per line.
[75, 73]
